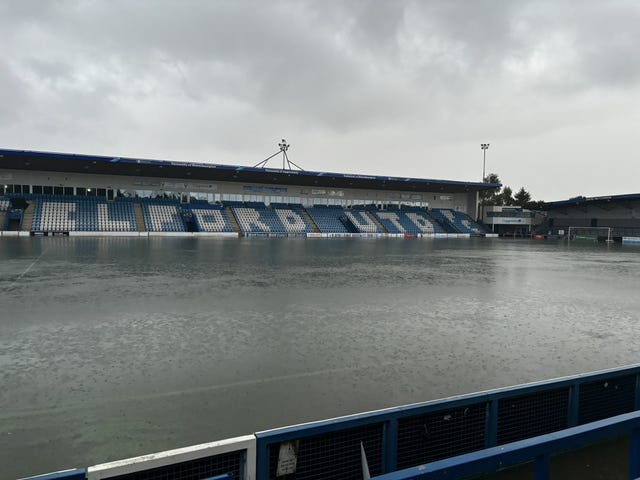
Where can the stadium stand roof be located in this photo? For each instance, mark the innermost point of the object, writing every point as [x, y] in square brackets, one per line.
[591, 200]
[94, 164]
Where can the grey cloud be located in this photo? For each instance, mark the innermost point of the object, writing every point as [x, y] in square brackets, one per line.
[225, 77]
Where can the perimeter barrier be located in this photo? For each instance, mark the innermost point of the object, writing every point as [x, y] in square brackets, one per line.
[394, 439]
[403, 437]
[538, 450]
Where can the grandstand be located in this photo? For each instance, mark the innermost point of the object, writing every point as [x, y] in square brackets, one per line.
[594, 215]
[53, 193]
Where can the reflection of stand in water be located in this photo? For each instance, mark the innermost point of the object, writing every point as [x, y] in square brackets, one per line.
[286, 163]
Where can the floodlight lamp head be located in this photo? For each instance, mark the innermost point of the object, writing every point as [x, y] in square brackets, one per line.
[283, 145]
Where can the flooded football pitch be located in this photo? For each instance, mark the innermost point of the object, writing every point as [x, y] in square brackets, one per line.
[114, 347]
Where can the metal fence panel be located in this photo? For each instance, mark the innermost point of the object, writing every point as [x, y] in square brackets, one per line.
[334, 455]
[441, 434]
[533, 414]
[606, 398]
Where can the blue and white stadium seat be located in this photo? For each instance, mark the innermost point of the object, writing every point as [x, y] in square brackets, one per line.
[162, 216]
[255, 217]
[60, 213]
[327, 218]
[257, 220]
[211, 218]
[361, 221]
[460, 221]
[407, 221]
[292, 217]
[116, 217]
[4, 204]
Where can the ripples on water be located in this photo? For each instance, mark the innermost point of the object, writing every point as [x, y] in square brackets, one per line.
[115, 347]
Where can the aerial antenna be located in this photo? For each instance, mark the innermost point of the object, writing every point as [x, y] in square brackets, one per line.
[286, 163]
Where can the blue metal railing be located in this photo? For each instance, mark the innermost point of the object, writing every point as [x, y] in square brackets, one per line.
[401, 437]
[537, 449]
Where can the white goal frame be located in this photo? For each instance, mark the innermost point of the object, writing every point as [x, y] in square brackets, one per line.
[571, 233]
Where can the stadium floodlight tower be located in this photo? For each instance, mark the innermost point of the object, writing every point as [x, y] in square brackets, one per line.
[484, 147]
[284, 146]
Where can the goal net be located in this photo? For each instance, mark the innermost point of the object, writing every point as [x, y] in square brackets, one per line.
[589, 234]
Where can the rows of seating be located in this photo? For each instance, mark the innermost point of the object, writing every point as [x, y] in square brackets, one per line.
[458, 220]
[361, 221]
[162, 217]
[327, 218]
[77, 213]
[66, 213]
[211, 218]
[256, 217]
[292, 217]
[412, 222]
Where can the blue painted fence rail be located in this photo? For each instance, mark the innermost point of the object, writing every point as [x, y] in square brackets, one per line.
[536, 449]
[401, 437]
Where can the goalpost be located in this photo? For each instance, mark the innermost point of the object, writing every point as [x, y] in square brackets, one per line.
[592, 234]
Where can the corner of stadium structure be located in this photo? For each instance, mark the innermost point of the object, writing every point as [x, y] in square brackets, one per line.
[605, 218]
[85, 195]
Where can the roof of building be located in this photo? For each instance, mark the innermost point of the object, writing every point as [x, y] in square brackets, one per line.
[95, 164]
[591, 200]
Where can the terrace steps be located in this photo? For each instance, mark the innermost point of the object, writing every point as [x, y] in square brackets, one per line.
[310, 221]
[377, 222]
[140, 224]
[27, 218]
[233, 220]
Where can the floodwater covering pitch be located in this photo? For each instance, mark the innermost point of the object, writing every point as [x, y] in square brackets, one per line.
[114, 347]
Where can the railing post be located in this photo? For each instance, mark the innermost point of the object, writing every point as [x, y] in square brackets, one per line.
[541, 467]
[390, 446]
[574, 405]
[634, 454]
[636, 403]
[491, 424]
[262, 460]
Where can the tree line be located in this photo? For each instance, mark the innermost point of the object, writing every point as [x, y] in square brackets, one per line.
[505, 196]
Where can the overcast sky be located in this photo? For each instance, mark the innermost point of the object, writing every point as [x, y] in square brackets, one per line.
[392, 87]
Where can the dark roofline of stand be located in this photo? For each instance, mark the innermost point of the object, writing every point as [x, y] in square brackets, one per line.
[103, 165]
[590, 200]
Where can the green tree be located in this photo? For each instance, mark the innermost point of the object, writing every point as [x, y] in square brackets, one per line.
[492, 195]
[507, 196]
[522, 198]
[497, 196]
[535, 205]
